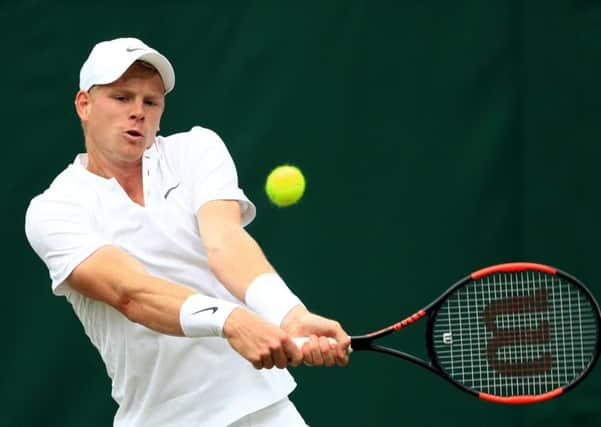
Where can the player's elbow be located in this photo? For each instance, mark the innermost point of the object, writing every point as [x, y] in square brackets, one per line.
[222, 247]
[127, 306]
[217, 258]
[129, 300]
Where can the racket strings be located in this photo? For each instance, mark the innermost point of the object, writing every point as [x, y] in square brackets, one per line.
[510, 334]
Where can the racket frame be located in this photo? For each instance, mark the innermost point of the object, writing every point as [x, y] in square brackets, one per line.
[366, 342]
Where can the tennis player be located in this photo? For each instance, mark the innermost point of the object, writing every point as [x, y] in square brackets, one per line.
[144, 235]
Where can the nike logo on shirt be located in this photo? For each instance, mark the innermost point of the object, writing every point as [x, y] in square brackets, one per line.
[171, 189]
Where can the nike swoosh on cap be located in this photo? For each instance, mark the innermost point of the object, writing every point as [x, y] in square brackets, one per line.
[133, 49]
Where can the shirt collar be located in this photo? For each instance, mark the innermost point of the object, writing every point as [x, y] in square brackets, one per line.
[80, 164]
[151, 166]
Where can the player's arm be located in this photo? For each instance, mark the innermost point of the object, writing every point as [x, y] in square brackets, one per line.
[112, 276]
[234, 256]
[116, 278]
[241, 266]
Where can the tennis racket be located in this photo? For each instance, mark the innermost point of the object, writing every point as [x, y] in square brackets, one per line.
[513, 333]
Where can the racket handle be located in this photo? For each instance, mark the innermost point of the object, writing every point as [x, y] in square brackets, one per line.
[299, 341]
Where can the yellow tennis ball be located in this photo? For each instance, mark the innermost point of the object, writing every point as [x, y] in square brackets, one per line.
[285, 185]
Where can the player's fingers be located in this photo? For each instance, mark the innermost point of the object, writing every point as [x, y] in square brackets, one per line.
[307, 354]
[279, 357]
[342, 349]
[342, 356]
[328, 351]
[267, 361]
[315, 350]
[293, 353]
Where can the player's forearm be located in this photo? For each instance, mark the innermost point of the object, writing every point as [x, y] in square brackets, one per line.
[241, 266]
[156, 304]
[236, 260]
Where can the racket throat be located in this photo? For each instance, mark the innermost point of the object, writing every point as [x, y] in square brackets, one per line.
[366, 343]
[362, 343]
[406, 356]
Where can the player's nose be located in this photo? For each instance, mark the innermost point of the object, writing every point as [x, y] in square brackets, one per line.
[137, 111]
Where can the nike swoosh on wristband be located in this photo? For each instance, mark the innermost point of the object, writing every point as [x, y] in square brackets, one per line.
[214, 309]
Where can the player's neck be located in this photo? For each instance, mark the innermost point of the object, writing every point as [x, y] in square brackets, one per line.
[127, 174]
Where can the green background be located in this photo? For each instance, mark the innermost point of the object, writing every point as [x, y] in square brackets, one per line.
[437, 137]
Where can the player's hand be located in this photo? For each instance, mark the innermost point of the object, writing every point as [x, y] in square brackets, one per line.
[261, 343]
[318, 350]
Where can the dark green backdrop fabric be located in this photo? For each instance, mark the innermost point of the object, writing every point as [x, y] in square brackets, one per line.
[437, 137]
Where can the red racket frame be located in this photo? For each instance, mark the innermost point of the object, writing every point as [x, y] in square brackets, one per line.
[367, 342]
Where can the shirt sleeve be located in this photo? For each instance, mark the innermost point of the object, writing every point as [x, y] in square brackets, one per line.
[212, 173]
[61, 233]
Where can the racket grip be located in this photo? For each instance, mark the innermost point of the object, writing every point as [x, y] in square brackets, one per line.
[299, 341]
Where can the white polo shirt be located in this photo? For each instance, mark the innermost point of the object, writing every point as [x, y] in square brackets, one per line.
[157, 380]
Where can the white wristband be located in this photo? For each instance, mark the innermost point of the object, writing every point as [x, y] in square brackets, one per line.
[269, 297]
[202, 316]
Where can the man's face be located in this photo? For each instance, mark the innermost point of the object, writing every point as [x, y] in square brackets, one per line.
[121, 119]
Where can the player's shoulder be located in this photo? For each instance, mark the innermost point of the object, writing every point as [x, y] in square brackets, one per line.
[197, 139]
[197, 134]
[66, 189]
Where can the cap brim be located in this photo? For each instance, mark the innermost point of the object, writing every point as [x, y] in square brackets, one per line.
[162, 65]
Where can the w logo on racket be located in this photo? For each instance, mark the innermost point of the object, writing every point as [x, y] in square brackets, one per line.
[525, 341]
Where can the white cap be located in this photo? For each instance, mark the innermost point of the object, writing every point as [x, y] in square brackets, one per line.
[108, 61]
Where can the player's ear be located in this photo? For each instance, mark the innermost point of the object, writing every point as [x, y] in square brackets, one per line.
[82, 104]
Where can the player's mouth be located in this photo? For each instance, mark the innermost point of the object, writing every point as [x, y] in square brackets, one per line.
[134, 135]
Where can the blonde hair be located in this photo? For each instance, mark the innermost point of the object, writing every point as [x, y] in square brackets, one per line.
[145, 67]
